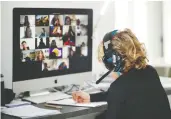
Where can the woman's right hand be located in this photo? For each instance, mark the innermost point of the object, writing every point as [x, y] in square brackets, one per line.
[81, 97]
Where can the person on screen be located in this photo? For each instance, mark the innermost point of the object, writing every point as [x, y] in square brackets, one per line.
[24, 46]
[55, 21]
[78, 29]
[56, 31]
[83, 29]
[137, 92]
[67, 20]
[62, 66]
[53, 44]
[41, 44]
[26, 21]
[28, 32]
[69, 42]
[45, 67]
[71, 52]
[71, 33]
[43, 33]
[40, 56]
[82, 44]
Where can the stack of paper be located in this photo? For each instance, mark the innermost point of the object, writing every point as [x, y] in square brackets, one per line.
[28, 111]
[16, 103]
[71, 102]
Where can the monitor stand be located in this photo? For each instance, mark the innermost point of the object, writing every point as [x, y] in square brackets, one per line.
[40, 92]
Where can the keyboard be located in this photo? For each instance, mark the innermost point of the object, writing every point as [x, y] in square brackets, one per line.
[47, 97]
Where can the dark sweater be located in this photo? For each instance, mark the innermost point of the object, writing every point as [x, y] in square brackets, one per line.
[137, 94]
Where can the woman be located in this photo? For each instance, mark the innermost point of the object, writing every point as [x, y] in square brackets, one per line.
[28, 32]
[43, 33]
[137, 92]
[53, 44]
[40, 56]
[24, 46]
[41, 44]
[67, 20]
[55, 21]
[26, 21]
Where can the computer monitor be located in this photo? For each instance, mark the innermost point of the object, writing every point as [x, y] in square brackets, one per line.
[51, 47]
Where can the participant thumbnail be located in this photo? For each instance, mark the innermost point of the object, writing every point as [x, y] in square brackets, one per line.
[81, 20]
[81, 30]
[69, 35]
[41, 43]
[27, 32]
[62, 64]
[55, 31]
[55, 53]
[56, 20]
[27, 20]
[68, 19]
[41, 54]
[49, 65]
[56, 42]
[28, 55]
[81, 41]
[42, 32]
[81, 51]
[42, 20]
[68, 51]
[84, 51]
[27, 44]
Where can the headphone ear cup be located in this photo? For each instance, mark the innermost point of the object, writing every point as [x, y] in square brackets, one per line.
[108, 62]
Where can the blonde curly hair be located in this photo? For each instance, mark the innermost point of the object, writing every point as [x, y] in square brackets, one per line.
[131, 50]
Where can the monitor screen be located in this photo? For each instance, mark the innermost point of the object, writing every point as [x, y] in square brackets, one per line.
[51, 42]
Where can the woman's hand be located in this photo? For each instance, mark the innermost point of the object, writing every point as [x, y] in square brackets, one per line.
[81, 97]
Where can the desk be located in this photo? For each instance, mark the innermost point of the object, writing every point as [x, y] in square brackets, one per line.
[67, 112]
[84, 112]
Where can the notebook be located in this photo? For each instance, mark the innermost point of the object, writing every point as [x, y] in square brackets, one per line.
[26, 111]
[71, 102]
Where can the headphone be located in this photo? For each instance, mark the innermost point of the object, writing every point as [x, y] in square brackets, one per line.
[112, 59]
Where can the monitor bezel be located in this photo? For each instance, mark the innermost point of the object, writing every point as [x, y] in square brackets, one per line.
[41, 11]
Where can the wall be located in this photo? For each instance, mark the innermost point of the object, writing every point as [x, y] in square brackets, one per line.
[166, 31]
[154, 29]
[106, 24]
[0, 38]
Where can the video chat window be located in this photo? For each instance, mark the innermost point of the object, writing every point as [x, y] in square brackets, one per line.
[41, 54]
[42, 20]
[81, 41]
[68, 51]
[62, 64]
[28, 55]
[42, 32]
[27, 20]
[69, 35]
[49, 65]
[56, 20]
[27, 44]
[53, 39]
[56, 42]
[27, 32]
[55, 53]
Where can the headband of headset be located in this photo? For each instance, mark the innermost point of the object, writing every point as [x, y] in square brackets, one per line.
[112, 59]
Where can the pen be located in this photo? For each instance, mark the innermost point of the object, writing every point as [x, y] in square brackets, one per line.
[53, 106]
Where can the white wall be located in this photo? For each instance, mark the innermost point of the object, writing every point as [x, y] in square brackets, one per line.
[154, 29]
[106, 24]
[167, 31]
[0, 38]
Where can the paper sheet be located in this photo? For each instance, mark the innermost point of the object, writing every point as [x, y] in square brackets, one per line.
[28, 111]
[71, 102]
